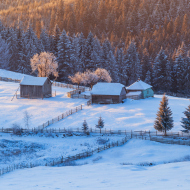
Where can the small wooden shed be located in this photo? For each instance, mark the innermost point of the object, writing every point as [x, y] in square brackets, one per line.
[139, 90]
[35, 87]
[108, 93]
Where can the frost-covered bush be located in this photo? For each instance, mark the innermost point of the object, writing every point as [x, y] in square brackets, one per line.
[101, 140]
[17, 130]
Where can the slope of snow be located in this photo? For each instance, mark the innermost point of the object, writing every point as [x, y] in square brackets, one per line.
[44, 148]
[40, 110]
[11, 74]
[131, 115]
[108, 173]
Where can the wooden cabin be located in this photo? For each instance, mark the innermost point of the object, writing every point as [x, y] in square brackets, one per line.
[35, 87]
[108, 93]
[139, 90]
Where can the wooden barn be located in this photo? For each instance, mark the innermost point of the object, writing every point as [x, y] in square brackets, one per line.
[139, 90]
[35, 87]
[108, 93]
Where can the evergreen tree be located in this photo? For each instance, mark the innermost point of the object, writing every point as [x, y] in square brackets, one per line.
[64, 50]
[132, 61]
[161, 72]
[164, 120]
[186, 120]
[4, 54]
[100, 124]
[85, 127]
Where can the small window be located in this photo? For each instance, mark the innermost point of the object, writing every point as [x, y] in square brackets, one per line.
[147, 91]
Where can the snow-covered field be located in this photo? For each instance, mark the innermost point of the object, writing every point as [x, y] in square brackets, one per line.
[44, 148]
[106, 170]
[131, 115]
[40, 110]
[11, 74]
[136, 165]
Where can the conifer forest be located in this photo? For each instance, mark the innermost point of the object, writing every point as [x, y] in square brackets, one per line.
[147, 39]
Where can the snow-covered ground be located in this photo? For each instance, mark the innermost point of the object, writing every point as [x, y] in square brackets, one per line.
[108, 172]
[44, 148]
[131, 115]
[11, 74]
[41, 110]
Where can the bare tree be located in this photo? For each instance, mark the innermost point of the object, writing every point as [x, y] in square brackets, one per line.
[27, 119]
[103, 75]
[77, 78]
[45, 64]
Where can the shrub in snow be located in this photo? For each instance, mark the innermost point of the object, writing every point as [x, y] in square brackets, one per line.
[186, 120]
[85, 127]
[45, 64]
[97, 158]
[17, 130]
[100, 124]
[101, 141]
[164, 120]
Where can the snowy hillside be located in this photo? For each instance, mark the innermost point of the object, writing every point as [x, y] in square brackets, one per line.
[40, 110]
[132, 115]
[106, 171]
[11, 74]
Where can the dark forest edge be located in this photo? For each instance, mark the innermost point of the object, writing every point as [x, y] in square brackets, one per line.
[129, 38]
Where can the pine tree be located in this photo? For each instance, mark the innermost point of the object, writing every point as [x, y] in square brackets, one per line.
[186, 120]
[4, 54]
[85, 127]
[164, 120]
[100, 124]
[134, 69]
[64, 50]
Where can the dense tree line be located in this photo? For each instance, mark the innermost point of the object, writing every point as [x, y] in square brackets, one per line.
[129, 38]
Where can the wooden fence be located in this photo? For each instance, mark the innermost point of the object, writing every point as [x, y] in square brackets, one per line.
[9, 80]
[60, 117]
[76, 87]
[65, 160]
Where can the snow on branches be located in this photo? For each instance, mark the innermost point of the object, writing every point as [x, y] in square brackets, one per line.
[91, 78]
[45, 64]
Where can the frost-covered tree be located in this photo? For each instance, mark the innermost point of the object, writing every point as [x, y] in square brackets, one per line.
[186, 120]
[164, 120]
[103, 75]
[132, 62]
[100, 124]
[90, 78]
[77, 78]
[4, 54]
[85, 126]
[64, 50]
[45, 64]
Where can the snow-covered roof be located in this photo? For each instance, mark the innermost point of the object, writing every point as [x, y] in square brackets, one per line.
[103, 88]
[139, 85]
[36, 81]
[137, 93]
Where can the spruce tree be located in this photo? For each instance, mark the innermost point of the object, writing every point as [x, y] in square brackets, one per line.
[100, 124]
[85, 126]
[186, 120]
[164, 120]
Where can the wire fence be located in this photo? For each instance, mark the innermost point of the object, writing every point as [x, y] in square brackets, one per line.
[64, 160]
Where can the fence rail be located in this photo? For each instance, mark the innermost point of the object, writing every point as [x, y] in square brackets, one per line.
[9, 80]
[65, 160]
